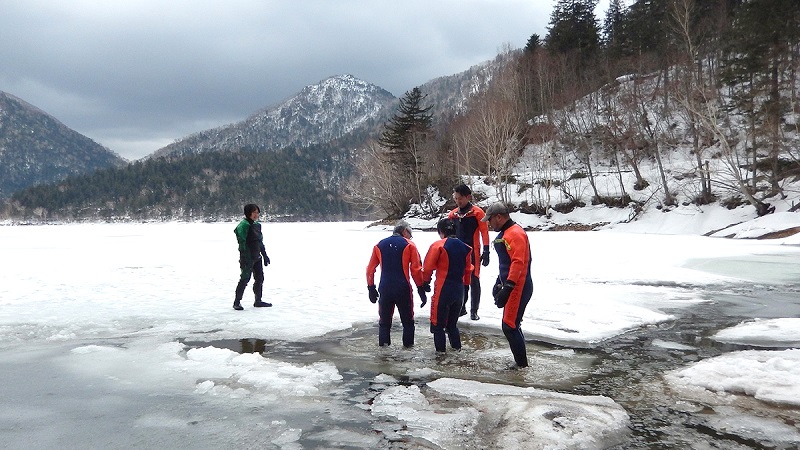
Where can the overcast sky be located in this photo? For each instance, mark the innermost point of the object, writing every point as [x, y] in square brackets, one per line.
[137, 75]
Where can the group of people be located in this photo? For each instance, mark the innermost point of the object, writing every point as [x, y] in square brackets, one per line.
[454, 258]
[455, 261]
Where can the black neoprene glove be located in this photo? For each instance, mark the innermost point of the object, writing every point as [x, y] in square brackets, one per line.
[266, 259]
[503, 293]
[373, 293]
[422, 295]
[485, 256]
[496, 288]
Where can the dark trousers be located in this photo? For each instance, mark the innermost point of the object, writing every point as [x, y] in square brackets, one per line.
[256, 270]
[389, 299]
[516, 340]
[447, 313]
[514, 336]
[475, 288]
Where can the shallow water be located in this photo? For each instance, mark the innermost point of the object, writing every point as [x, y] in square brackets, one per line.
[627, 368]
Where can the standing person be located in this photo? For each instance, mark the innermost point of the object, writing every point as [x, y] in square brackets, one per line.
[471, 229]
[514, 286]
[251, 255]
[451, 259]
[400, 262]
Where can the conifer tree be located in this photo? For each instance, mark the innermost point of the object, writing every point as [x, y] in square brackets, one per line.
[612, 28]
[411, 118]
[404, 142]
[533, 44]
[573, 29]
[759, 67]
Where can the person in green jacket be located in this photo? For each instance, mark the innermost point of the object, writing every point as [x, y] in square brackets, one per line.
[251, 256]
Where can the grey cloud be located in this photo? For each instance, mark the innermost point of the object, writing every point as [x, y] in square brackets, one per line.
[129, 74]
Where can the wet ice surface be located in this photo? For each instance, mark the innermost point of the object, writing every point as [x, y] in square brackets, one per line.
[628, 369]
[58, 406]
[632, 369]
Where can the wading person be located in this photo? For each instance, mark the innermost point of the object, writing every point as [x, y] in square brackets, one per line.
[400, 262]
[251, 255]
[471, 230]
[514, 286]
[451, 259]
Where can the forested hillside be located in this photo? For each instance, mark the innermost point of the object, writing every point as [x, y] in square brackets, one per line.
[292, 184]
[36, 148]
[652, 83]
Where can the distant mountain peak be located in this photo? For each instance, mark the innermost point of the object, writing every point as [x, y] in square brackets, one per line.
[36, 148]
[318, 113]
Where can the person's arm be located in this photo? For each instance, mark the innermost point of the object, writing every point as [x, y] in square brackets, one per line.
[374, 262]
[414, 263]
[483, 230]
[468, 268]
[519, 253]
[431, 260]
[263, 251]
[241, 231]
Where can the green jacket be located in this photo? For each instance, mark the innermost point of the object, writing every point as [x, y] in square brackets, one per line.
[251, 241]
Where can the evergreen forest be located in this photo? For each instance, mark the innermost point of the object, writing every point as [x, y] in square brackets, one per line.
[291, 184]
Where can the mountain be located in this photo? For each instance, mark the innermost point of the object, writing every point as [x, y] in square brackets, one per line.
[36, 148]
[332, 109]
[207, 175]
[319, 113]
[450, 95]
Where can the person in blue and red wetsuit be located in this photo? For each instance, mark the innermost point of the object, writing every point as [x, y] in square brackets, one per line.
[514, 286]
[451, 259]
[400, 262]
[471, 230]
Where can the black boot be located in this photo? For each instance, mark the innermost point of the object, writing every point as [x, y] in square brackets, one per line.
[237, 305]
[260, 304]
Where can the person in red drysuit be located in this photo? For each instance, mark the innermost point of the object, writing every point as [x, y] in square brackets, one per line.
[451, 259]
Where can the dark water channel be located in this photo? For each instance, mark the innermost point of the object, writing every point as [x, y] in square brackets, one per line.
[628, 368]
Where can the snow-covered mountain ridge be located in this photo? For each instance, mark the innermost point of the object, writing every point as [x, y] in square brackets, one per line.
[318, 113]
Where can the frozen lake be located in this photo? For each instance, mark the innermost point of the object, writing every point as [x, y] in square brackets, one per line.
[123, 335]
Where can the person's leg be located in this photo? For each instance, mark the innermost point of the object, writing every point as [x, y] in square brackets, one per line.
[258, 284]
[385, 314]
[439, 340]
[452, 327]
[405, 307]
[516, 340]
[476, 297]
[464, 302]
[439, 312]
[244, 278]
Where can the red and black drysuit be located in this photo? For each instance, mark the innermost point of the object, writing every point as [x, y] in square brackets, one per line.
[471, 231]
[451, 259]
[514, 258]
[399, 260]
